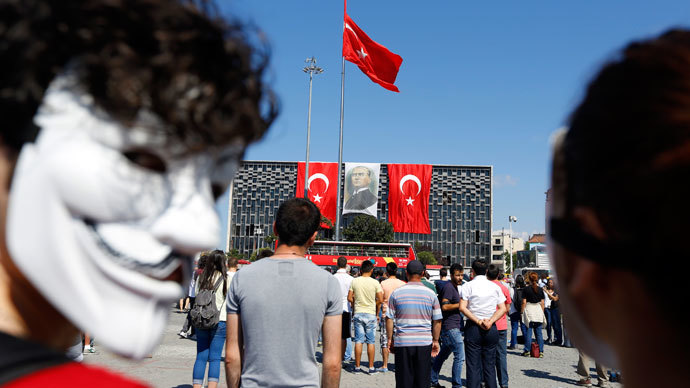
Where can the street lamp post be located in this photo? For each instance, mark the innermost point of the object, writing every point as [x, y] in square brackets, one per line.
[312, 69]
[511, 219]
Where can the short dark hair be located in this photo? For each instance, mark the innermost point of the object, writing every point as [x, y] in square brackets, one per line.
[342, 262]
[367, 266]
[263, 253]
[479, 267]
[443, 272]
[492, 272]
[296, 221]
[456, 267]
[500, 276]
[232, 262]
[391, 269]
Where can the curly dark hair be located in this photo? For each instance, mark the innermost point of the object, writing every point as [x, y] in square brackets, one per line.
[198, 73]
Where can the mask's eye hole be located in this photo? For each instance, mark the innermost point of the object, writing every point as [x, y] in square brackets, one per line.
[147, 160]
[217, 190]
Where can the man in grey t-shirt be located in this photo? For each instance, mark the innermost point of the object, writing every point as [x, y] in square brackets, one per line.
[277, 307]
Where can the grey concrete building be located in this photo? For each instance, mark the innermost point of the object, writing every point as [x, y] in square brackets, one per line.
[460, 207]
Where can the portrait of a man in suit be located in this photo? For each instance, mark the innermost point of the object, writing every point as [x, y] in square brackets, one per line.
[360, 196]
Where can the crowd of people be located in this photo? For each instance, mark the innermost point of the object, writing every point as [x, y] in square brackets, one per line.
[124, 119]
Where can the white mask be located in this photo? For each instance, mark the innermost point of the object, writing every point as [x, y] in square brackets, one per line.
[577, 329]
[97, 234]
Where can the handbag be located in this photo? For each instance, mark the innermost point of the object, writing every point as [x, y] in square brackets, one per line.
[534, 351]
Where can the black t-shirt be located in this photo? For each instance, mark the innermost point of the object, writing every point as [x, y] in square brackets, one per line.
[451, 319]
[531, 296]
[554, 303]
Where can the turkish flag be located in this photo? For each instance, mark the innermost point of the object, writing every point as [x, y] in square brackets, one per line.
[323, 187]
[379, 64]
[408, 197]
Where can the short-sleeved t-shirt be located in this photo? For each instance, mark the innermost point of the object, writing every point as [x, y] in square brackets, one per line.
[388, 286]
[482, 296]
[365, 289]
[282, 304]
[531, 296]
[451, 319]
[439, 284]
[502, 323]
[413, 307]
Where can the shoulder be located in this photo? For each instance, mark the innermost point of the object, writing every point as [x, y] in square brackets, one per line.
[75, 374]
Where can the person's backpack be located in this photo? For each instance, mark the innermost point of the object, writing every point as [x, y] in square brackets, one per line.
[205, 315]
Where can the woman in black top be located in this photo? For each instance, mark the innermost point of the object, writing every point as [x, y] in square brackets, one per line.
[555, 313]
[533, 314]
[515, 318]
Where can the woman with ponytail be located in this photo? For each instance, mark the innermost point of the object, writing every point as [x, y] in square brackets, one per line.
[210, 343]
[533, 313]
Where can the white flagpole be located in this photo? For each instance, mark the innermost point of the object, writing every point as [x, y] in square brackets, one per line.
[340, 150]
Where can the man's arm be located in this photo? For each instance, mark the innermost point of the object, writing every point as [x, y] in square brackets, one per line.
[233, 351]
[332, 353]
[447, 306]
[379, 302]
[389, 331]
[435, 335]
[351, 299]
[500, 311]
[467, 313]
[524, 304]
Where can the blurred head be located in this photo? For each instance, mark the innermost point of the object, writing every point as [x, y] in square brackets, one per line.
[233, 262]
[519, 282]
[297, 222]
[391, 269]
[367, 266]
[617, 179]
[443, 273]
[492, 272]
[456, 273]
[342, 262]
[264, 253]
[479, 267]
[118, 134]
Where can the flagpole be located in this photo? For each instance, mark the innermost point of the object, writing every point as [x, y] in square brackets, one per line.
[311, 68]
[340, 150]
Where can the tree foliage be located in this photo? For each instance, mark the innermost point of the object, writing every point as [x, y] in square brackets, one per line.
[270, 239]
[234, 253]
[420, 247]
[369, 229]
[255, 254]
[508, 259]
[427, 258]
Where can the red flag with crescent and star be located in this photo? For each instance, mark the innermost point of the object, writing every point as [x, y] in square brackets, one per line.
[408, 197]
[375, 60]
[322, 185]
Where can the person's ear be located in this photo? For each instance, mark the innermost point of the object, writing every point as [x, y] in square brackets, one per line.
[312, 239]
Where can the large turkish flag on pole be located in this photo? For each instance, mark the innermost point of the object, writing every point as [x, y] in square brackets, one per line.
[322, 185]
[375, 60]
[408, 197]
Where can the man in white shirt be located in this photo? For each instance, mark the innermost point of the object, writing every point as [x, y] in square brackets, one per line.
[483, 303]
[344, 279]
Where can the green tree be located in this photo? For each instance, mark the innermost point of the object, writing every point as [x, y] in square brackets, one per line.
[421, 247]
[508, 259]
[234, 253]
[427, 258]
[270, 239]
[369, 229]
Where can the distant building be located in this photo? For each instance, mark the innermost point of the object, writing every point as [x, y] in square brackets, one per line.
[537, 239]
[500, 243]
[460, 208]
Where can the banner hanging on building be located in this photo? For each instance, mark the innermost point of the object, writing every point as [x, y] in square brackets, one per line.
[361, 188]
[408, 197]
[322, 187]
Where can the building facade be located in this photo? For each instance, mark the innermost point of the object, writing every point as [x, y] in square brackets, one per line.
[460, 208]
[500, 243]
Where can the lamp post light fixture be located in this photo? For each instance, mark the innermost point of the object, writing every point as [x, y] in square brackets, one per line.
[511, 219]
[311, 69]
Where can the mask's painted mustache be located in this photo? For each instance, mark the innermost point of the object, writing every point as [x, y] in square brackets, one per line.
[169, 268]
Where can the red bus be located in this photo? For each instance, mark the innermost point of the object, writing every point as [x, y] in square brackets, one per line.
[326, 253]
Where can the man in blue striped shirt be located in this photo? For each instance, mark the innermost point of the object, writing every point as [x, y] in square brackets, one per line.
[414, 311]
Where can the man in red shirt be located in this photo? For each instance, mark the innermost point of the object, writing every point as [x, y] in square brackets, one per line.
[502, 326]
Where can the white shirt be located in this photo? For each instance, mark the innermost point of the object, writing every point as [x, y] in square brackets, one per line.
[482, 296]
[547, 301]
[345, 280]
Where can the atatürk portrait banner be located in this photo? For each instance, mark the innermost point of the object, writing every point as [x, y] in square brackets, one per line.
[361, 188]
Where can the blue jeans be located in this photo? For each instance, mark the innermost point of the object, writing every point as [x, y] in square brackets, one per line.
[451, 342]
[365, 328]
[502, 358]
[209, 346]
[549, 320]
[348, 349]
[556, 325]
[537, 331]
[480, 349]
[514, 323]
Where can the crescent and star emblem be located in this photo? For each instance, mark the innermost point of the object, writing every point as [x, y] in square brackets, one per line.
[410, 177]
[324, 178]
[359, 52]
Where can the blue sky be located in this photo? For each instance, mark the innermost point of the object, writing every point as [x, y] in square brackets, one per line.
[482, 82]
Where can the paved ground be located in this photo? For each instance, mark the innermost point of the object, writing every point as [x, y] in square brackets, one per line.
[171, 366]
